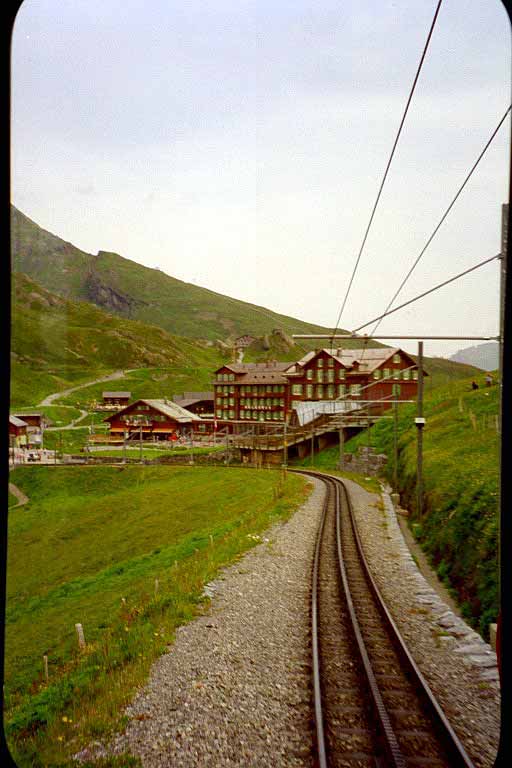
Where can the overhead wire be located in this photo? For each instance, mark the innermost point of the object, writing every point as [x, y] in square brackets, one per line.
[426, 293]
[411, 92]
[436, 229]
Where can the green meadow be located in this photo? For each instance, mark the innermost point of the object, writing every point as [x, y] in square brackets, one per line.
[125, 551]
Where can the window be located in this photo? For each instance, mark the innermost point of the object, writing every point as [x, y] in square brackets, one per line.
[415, 375]
[406, 374]
[309, 391]
[320, 362]
[341, 373]
[296, 389]
[231, 401]
[330, 391]
[309, 374]
[355, 389]
[320, 391]
[376, 374]
[396, 390]
[255, 415]
[386, 373]
[319, 375]
[396, 357]
[231, 414]
[330, 375]
[396, 373]
[218, 413]
[330, 363]
[342, 389]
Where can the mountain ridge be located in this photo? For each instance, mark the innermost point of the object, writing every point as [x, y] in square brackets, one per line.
[132, 290]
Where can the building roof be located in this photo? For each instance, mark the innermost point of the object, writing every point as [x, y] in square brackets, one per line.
[167, 407]
[263, 377]
[307, 410]
[175, 411]
[16, 421]
[117, 394]
[188, 398]
[273, 366]
[367, 358]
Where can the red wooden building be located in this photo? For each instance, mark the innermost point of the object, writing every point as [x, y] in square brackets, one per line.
[266, 392]
[152, 420]
[200, 403]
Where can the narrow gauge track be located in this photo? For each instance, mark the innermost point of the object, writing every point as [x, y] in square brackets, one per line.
[372, 705]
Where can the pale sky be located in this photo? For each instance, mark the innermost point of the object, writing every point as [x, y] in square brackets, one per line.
[239, 145]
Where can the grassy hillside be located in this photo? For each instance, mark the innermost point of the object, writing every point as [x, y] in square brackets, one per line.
[125, 288]
[57, 343]
[459, 528]
[110, 540]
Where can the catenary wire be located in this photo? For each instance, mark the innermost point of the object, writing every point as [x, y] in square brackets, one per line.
[426, 293]
[438, 226]
[418, 70]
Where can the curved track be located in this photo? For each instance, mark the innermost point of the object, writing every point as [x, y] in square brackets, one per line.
[373, 707]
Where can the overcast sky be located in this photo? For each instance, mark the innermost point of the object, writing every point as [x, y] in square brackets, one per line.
[239, 145]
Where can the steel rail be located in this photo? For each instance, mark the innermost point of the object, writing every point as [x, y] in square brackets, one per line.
[390, 741]
[458, 755]
[317, 688]
[453, 747]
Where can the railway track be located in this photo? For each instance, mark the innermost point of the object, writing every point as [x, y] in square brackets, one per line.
[372, 705]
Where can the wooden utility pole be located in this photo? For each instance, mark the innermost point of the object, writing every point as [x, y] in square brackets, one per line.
[420, 423]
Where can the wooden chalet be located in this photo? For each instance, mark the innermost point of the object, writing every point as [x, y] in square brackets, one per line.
[116, 399]
[152, 420]
[35, 424]
[368, 376]
[256, 392]
[17, 432]
[200, 403]
[270, 392]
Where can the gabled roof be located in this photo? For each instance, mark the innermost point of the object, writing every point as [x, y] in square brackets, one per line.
[116, 394]
[368, 358]
[250, 367]
[200, 397]
[17, 422]
[167, 407]
[263, 377]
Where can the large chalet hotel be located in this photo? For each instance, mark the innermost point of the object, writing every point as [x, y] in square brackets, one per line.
[270, 392]
[325, 380]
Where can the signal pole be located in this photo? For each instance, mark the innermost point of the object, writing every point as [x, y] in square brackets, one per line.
[420, 423]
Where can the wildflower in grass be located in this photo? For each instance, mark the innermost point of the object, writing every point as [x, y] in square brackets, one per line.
[127, 629]
[64, 719]
[60, 738]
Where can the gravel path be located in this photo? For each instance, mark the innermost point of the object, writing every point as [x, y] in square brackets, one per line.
[235, 690]
[22, 498]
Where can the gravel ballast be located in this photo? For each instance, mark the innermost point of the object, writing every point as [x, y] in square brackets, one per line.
[235, 688]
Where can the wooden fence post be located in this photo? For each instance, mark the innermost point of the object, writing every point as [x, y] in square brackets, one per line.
[80, 633]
